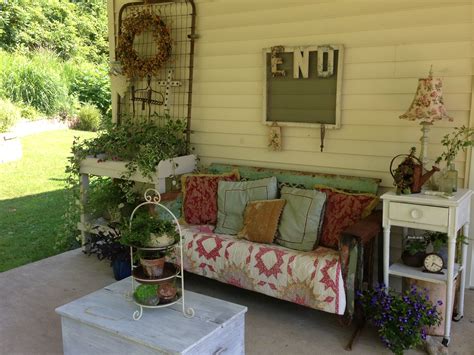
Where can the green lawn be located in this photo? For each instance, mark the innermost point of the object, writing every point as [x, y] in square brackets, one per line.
[32, 198]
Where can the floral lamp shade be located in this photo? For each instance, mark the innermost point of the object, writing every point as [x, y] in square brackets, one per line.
[428, 104]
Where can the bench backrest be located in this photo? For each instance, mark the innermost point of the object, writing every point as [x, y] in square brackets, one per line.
[301, 179]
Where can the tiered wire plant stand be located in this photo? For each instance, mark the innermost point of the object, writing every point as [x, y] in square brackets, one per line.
[172, 271]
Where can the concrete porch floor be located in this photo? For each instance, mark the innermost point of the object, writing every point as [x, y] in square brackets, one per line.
[29, 325]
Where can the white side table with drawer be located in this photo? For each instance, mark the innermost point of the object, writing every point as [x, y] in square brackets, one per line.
[432, 213]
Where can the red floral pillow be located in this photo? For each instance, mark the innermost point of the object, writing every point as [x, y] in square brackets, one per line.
[200, 196]
[343, 209]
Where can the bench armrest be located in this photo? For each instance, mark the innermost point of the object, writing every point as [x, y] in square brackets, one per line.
[351, 251]
[366, 229]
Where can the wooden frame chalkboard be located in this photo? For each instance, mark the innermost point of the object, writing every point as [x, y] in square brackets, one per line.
[302, 85]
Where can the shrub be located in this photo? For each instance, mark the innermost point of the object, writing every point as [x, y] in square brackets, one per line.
[35, 81]
[29, 112]
[9, 115]
[88, 118]
[90, 82]
[69, 28]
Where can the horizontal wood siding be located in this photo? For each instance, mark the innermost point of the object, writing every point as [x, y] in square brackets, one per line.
[388, 46]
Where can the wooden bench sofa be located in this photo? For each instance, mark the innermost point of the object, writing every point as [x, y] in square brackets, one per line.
[324, 279]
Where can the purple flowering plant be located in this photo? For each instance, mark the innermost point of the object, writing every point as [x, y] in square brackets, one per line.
[401, 319]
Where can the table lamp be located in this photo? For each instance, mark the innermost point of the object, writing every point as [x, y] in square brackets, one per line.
[427, 106]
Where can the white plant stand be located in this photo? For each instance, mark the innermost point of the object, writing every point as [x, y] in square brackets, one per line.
[116, 169]
[432, 213]
[153, 197]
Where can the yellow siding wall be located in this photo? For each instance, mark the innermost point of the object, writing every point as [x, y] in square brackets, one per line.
[388, 46]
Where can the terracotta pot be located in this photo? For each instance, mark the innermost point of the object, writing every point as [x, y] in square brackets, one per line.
[153, 268]
[167, 292]
[413, 260]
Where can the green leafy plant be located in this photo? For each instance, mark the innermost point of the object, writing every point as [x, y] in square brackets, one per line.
[106, 199]
[90, 83]
[401, 319]
[9, 115]
[143, 225]
[88, 118]
[439, 240]
[460, 139]
[143, 145]
[29, 112]
[146, 293]
[39, 86]
[414, 246]
[68, 28]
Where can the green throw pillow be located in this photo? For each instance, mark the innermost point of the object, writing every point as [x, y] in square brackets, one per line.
[301, 218]
[232, 198]
[175, 206]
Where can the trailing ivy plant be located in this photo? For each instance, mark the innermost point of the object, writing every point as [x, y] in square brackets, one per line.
[142, 145]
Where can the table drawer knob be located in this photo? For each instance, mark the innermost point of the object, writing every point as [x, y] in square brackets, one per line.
[415, 214]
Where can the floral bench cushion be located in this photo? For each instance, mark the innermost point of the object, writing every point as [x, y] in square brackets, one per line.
[312, 279]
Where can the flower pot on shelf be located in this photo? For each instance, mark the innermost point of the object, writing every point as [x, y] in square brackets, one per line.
[163, 240]
[167, 292]
[153, 268]
[147, 295]
[414, 260]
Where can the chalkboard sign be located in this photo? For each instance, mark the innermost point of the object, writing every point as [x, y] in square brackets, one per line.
[303, 85]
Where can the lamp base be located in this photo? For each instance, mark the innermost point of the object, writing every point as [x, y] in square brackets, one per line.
[425, 129]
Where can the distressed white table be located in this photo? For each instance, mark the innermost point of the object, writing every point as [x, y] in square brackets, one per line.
[101, 323]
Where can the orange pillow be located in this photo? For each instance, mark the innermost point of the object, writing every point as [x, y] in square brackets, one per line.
[200, 196]
[261, 220]
[343, 209]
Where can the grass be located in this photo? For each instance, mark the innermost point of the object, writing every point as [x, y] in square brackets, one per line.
[32, 198]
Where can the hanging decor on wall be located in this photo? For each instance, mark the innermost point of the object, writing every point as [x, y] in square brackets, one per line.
[168, 84]
[274, 137]
[137, 65]
[154, 55]
[276, 60]
[303, 85]
[147, 97]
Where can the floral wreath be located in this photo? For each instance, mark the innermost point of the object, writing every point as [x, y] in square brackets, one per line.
[133, 65]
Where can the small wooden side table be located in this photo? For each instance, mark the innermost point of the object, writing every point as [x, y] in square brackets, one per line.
[432, 213]
[102, 323]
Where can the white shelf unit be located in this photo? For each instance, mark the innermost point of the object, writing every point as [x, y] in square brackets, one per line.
[432, 213]
[116, 169]
[400, 269]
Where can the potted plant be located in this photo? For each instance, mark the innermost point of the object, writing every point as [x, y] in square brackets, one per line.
[401, 319]
[167, 292]
[414, 252]
[106, 199]
[148, 231]
[439, 243]
[152, 262]
[460, 139]
[104, 241]
[147, 295]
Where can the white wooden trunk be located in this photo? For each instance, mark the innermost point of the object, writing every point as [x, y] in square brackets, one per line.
[101, 323]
